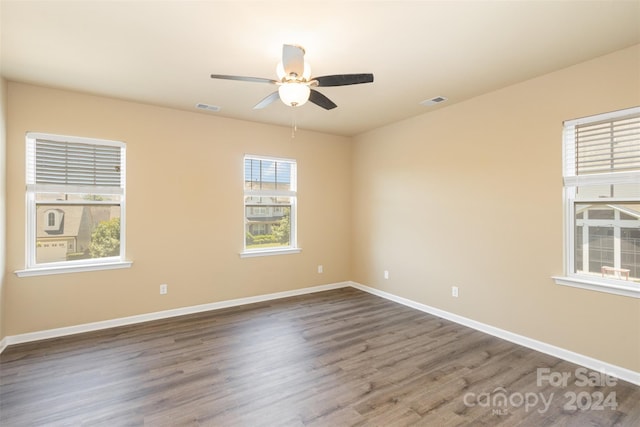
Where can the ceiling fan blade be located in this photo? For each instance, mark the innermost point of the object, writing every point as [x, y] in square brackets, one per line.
[344, 79]
[321, 100]
[293, 59]
[266, 101]
[243, 78]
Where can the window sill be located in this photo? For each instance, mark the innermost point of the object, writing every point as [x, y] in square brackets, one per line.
[616, 287]
[269, 252]
[44, 271]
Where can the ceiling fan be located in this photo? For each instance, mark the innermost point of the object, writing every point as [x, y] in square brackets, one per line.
[295, 82]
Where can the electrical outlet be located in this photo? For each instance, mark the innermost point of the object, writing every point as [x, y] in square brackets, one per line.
[320, 269]
[386, 274]
[163, 289]
[454, 291]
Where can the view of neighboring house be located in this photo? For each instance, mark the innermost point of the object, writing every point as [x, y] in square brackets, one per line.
[64, 232]
[262, 218]
[608, 240]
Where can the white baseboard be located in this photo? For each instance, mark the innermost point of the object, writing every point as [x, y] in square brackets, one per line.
[123, 321]
[570, 356]
[561, 353]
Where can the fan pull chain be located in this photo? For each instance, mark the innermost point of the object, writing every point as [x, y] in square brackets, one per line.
[294, 124]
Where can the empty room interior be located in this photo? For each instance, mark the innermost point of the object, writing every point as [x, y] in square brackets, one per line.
[319, 213]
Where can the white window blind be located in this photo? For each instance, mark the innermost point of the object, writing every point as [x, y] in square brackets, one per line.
[77, 164]
[605, 144]
[68, 165]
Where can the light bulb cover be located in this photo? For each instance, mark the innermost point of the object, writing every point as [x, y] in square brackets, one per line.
[294, 94]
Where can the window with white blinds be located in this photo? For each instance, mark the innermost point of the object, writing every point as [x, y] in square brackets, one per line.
[269, 205]
[75, 202]
[601, 156]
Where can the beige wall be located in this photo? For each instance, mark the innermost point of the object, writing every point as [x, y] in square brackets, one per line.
[468, 195]
[184, 210]
[471, 196]
[3, 205]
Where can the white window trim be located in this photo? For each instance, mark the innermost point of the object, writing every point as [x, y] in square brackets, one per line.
[610, 286]
[293, 248]
[571, 181]
[269, 252]
[109, 263]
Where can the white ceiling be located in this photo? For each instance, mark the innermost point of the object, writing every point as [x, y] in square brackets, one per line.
[162, 52]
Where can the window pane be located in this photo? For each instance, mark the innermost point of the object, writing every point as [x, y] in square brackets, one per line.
[67, 232]
[261, 174]
[600, 248]
[267, 222]
[607, 239]
[601, 213]
[578, 260]
[630, 247]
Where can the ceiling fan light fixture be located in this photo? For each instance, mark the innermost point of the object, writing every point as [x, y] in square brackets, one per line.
[294, 81]
[294, 94]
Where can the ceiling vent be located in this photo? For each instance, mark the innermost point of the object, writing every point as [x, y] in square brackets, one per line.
[433, 101]
[208, 107]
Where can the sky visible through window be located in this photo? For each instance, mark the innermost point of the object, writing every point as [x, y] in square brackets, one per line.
[271, 171]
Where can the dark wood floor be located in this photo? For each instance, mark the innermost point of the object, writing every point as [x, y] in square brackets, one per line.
[335, 358]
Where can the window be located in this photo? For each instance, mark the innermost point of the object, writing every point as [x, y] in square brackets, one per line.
[54, 220]
[51, 218]
[602, 202]
[269, 206]
[75, 204]
[259, 211]
[258, 229]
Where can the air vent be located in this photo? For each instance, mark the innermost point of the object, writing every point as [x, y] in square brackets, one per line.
[208, 107]
[433, 101]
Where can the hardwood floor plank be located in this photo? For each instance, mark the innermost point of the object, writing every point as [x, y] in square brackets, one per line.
[334, 358]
